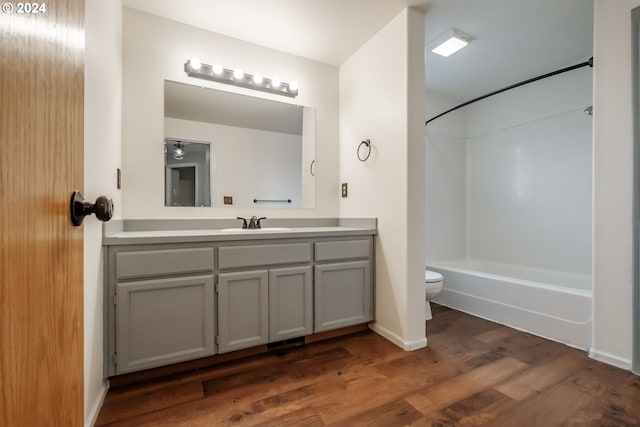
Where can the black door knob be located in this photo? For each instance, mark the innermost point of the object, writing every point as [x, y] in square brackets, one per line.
[102, 208]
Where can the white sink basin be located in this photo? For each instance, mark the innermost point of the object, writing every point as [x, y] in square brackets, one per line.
[244, 230]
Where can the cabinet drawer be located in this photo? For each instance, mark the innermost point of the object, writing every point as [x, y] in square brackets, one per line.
[343, 249]
[163, 262]
[263, 255]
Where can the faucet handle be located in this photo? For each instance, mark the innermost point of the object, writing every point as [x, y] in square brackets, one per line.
[244, 221]
[258, 222]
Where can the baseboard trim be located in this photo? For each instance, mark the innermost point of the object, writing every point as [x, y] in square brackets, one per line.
[397, 340]
[92, 416]
[610, 359]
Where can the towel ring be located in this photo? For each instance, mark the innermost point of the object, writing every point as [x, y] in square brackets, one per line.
[367, 143]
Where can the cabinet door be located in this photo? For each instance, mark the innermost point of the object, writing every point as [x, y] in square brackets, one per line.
[164, 321]
[342, 295]
[242, 310]
[290, 303]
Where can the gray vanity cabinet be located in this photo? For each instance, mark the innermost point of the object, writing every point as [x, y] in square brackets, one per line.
[270, 299]
[161, 306]
[171, 302]
[290, 303]
[243, 309]
[261, 306]
[164, 321]
[343, 284]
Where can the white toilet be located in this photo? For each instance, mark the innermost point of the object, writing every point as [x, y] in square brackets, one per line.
[432, 286]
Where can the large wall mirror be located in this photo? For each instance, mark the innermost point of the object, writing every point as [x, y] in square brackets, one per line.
[225, 149]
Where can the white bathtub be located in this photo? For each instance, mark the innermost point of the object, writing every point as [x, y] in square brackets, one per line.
[549, 304]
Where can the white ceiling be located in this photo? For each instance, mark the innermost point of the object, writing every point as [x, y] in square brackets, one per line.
[514, 39]
[327, 31]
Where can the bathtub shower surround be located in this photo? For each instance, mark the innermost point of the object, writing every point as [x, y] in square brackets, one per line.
[509, 207]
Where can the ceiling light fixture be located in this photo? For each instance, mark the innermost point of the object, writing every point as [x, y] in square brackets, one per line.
[178, 151]
[217, 73]
[450, 42]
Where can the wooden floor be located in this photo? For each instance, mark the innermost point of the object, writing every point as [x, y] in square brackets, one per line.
[473, 373]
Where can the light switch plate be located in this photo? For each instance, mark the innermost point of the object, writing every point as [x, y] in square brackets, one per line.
[345, 191]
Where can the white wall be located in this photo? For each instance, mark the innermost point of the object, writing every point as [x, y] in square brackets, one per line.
[156, 49]
[102, 126]
[613, 175]
[247, 163]
[382, 98]
[446, 180]
[529, 173]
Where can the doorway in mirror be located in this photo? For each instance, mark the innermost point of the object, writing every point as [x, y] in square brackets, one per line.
[187, 175]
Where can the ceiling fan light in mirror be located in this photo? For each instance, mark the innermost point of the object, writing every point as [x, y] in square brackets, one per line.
[178, 151]
[237, 77]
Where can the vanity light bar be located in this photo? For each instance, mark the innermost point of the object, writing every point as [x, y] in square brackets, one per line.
[237, 77]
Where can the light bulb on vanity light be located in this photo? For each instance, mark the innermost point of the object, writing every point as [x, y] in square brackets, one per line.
[257, 78]
[275, 82]
[217, 69]
[195, 63]
[293, 86]
[238, 74]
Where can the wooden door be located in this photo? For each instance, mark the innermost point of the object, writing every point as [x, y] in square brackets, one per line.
[41, 253]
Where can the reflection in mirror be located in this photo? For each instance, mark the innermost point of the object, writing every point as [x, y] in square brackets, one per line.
[260, 151]
[187, 173]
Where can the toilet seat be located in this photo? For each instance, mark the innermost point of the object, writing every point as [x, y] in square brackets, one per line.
[432, 277]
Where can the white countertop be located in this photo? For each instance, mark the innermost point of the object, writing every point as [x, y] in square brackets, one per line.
[214, 235]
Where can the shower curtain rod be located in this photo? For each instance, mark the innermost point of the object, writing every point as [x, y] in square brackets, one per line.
[513, 86]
